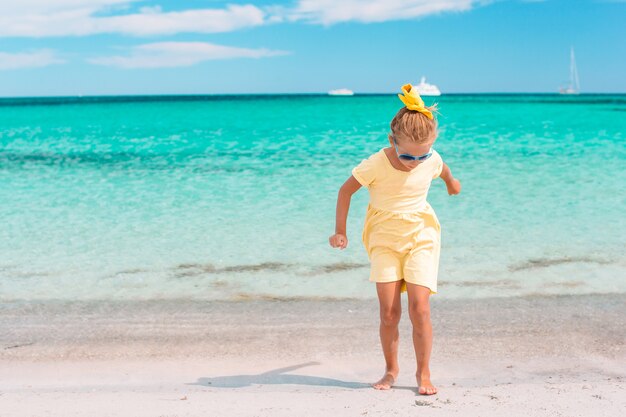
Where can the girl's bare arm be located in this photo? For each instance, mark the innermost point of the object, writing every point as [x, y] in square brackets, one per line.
[453, 185]
[339, 239]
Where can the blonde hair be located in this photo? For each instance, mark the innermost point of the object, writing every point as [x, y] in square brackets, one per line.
[413, 126]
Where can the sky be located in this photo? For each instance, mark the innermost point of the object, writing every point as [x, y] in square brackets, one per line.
[129, 47]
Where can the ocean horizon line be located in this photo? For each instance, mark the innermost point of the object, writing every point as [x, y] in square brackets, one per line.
[323, 93]
[129, 98]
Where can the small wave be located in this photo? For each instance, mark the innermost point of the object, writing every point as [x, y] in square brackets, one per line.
[268, 297]
[337, 267]
[502, 283]
[132, 271]
[567, 284]
[15, 272]
[186, 270]
[199, 269]
[546, 262]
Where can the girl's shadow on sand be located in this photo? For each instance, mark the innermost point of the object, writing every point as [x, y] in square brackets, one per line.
[277, 376]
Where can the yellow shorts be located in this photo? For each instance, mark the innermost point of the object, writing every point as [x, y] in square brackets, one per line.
[417, 266]
[403, 246]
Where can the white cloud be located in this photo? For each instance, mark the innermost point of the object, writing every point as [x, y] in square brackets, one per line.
[43, 18]
[48, 18]
[179, 54]
[34, 59]
[36, 18]
[328, 12]
[21, 7]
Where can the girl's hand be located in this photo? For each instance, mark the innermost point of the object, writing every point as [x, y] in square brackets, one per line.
[338, 241]
[454, 186]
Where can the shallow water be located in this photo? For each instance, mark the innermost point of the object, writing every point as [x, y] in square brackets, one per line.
[233, 197]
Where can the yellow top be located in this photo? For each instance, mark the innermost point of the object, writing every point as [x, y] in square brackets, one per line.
[397, 198]
[394, 190]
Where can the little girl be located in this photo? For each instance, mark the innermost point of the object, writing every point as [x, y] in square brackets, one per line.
[401, 234]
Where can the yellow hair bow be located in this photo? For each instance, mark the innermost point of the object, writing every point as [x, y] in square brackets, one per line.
[413, 101]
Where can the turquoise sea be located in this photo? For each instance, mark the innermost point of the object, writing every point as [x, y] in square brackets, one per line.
[233, 197]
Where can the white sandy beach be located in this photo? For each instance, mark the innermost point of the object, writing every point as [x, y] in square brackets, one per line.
[530, 356]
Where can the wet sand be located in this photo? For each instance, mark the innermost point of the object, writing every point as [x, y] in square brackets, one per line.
[535, 355]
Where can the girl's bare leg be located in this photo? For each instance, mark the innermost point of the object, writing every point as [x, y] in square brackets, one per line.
[390, 313]
[419, 312]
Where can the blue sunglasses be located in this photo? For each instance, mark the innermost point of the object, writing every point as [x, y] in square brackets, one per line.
[409, 157]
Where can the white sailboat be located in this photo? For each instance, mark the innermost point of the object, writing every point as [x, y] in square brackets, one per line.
[425, 89]
[574, 86]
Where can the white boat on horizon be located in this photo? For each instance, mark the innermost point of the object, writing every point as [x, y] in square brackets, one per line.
[574, 86]
[341, 92]
[425, 89]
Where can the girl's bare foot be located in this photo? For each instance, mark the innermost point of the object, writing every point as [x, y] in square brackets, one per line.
[425, 387]
[386, 381]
